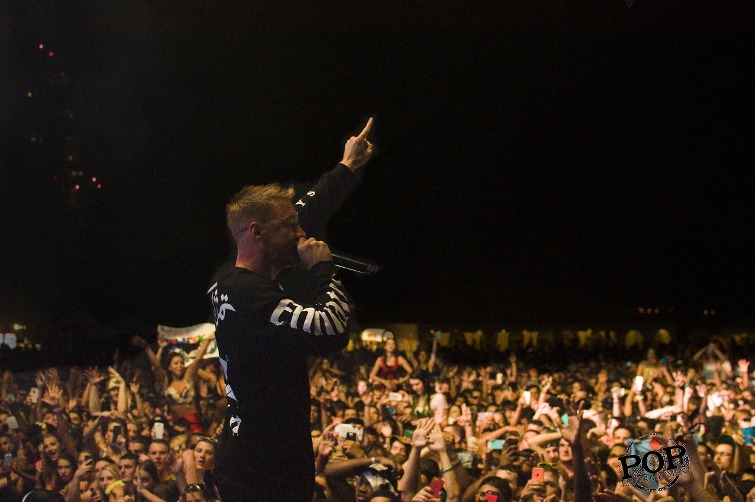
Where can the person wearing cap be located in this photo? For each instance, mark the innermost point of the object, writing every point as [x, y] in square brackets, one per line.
[375, 479]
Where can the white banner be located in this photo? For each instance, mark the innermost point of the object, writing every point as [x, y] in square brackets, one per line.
[185, 341]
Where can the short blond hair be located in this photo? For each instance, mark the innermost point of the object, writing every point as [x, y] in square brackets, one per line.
[254, 203]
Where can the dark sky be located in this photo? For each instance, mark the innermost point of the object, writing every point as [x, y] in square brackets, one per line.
[537, 160]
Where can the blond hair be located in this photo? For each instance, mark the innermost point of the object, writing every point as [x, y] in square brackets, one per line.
[254, 203]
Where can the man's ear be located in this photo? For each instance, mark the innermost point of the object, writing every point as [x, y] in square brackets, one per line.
[255, 229]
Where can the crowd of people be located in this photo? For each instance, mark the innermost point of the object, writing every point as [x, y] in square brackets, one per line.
[388, 426]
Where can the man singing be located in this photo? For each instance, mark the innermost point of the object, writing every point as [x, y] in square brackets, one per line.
[265, 333]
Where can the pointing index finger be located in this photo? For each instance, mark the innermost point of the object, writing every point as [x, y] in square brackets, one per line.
[366, 130]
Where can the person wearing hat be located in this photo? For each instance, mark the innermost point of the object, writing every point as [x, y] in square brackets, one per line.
[376, 479]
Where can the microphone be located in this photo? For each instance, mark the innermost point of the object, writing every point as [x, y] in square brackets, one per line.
[360, 266]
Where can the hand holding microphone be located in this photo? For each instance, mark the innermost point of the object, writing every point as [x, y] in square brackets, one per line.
[311, 251]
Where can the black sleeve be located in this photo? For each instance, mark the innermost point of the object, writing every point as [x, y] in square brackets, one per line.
[327, 317]
[246, 302]
[320, 202]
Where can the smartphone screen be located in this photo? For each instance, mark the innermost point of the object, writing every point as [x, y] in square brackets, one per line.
[527, 396]
[495, 444]
[538, 474]
[158, 429]
[436, 485]
[638, 381]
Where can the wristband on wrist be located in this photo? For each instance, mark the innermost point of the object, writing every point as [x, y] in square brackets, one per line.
[453, 466]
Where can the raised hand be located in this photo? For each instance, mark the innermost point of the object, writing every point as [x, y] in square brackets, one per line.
[134, 387]
[424, 495]
[84, 468]
[572, 431]
[139, 342]
[422, 432]
[743, 366]
[94, 376]
[352, 449]
[358, 150]
[466, 416]
[52, 395]
[325, 448]
[436, 442]
[115, 375]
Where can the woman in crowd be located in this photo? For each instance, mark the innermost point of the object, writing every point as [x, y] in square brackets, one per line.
[178, 382]
[65, 467]
[84, 486]
[390, 369]
[47, 465]
[111, 485]
[420, 398]
[427, 362]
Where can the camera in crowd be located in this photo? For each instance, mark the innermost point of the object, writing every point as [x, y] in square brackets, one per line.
[349, 432]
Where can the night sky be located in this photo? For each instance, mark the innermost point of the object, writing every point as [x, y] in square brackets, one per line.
[538, 161]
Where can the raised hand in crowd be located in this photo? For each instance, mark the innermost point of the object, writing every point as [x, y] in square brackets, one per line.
[425, 495]
[52, 396]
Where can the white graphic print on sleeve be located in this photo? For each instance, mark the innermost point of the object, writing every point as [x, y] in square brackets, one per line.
[330, 318]
[228, 389]
[301, 203]
[234, 423]
[219, 308]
